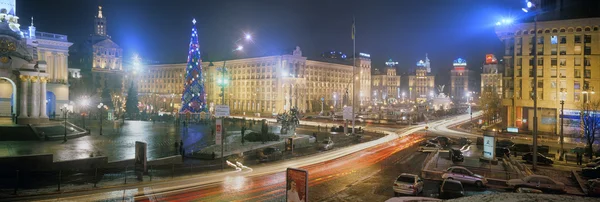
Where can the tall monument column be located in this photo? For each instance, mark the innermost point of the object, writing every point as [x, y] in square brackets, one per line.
[43, 98]
[35, 97]
[24, 87]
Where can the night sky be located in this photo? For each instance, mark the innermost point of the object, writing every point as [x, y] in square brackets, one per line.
[403, 30]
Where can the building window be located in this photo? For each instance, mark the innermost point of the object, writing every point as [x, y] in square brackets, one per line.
[540, 61]
[577, 61]
[563, 84]
[577, 50]
[553, 62]
[553, 84]
[563, 62]
[576, 96]
[577, 85]
[588, 39]
[540, 39]
[540, 72]
[587, 51]
[587, 73]
[563, 50]
[553, 51]
[563, 73]
[519, 61]
[587, 62]
[577, 38]
[553, 72]
[540, 84]
[563, 39]
[554, 39]
[577, 73]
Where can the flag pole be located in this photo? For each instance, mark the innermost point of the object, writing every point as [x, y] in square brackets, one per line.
[353, 72]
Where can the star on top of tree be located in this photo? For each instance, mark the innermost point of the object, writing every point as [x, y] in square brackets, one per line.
[194, 21]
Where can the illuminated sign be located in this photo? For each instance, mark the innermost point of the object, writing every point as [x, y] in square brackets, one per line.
[296, 188]
[512, 129]
[460, 62]
[420, 63]
[490, 59]
[489, 144]
[365, 55]
[391, 63]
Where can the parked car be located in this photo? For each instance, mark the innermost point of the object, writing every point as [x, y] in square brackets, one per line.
[502, 152]
[327, 144]
[593, 187]
[451, 189]
[544, 183]
[464, 141]
[528, 190]
[521, 148]
[504, 143]
[456, 155]
[408, 184]
[428, 147]
[540, 158]
[591, 172]
[269, 154]
[465, 176]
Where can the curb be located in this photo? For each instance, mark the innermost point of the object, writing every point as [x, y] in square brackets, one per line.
[580, 182]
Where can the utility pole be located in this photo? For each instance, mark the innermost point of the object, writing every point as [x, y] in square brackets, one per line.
[562, 114]
[535, 93]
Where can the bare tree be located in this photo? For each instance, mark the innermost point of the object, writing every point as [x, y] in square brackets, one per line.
[590, 117]
[491, 104]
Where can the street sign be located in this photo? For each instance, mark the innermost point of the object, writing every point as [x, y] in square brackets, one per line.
[347, 113]
[218, 131]
[221, 111]
[296, 185]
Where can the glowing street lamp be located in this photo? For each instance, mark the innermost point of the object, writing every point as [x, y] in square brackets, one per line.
[100, 106]
[66, 109]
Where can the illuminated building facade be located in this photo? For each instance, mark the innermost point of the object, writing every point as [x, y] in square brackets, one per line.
[491, 77]
[459, 80]
[270, 84]
[386, 84]
[421, 85]
[568, 69]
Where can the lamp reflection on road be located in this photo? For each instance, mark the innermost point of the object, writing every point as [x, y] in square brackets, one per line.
[235, 183]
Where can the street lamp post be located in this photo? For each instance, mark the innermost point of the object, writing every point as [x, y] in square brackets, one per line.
[562, 114]
[531, 6]
[84, 103]
[100, 106]
[66, 108]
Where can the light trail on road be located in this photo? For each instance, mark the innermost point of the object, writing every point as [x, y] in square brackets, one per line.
[272, 186]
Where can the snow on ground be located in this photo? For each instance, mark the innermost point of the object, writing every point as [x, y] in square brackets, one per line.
[520, 197]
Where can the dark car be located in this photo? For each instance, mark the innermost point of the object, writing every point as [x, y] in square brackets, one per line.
[456, 155]
[540, 158]
[443, 141]
[270, 154]
[451, 189]
[464, 141]
[591, 172]
[521, 148]
[504, 143]
[502, 152]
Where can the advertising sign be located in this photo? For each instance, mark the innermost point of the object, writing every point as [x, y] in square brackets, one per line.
[489, 146]
[347, 113]
[141, 157]
[221, 111]
[296, 189]
[218, 131]
[512, 129]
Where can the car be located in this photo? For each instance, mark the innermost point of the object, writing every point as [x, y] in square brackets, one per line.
[441, 140]
[591, 172]
[593, 187]
[544, 183]
[409, 184]
[465, 176]
[464, 141]
[456, 155]
[269, 154]
[451, 189]
[428, 147]
[327, 144]
[502, 152]
[521, 148]
[540, 158]
[504, 143]
[528, 190]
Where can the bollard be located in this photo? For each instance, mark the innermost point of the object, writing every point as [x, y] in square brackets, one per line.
[96, 177]
[125, 174]
[16, 183]
[59, 178]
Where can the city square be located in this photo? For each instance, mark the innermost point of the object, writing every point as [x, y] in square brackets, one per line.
[299, 101]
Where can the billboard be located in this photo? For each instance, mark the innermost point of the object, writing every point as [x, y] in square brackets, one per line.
[489, 146]
[296, 189]
[141, 157]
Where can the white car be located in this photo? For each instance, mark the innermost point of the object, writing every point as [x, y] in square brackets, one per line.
[428, 147]
[327, 144]
[544, 183]
[464, 176]
[408, 184]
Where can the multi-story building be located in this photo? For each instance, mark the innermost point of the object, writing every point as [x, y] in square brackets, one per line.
[270, 84]
[491, 77]
[33, 69]
[459, 80]
[386, 84]
[421, 85]
[101, 62]
[568, 69]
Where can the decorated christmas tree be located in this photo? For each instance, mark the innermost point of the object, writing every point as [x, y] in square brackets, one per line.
[193, 99]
